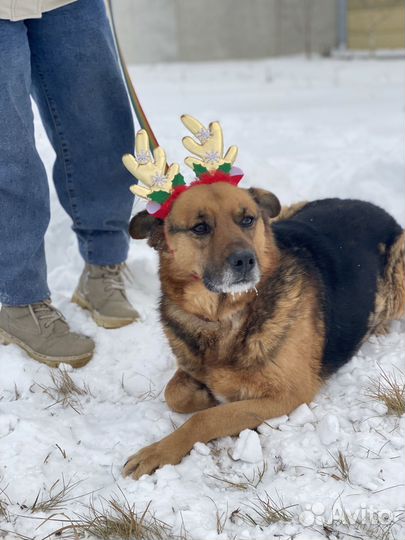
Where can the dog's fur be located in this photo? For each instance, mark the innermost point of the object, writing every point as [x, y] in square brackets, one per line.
[324, 276]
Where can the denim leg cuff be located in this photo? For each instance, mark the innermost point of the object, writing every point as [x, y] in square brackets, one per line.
[9, 296]
[103, 247]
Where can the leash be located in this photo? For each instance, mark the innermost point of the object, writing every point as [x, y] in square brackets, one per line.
[133, 96]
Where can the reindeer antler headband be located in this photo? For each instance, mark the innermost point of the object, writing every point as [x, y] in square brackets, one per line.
[163, 184]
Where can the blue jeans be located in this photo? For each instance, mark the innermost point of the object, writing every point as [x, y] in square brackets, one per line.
[67, 62]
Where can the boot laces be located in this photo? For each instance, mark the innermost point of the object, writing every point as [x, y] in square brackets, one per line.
[112, 278]
[46, 312]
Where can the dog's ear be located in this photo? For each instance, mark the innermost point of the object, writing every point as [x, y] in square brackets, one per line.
[267, 201]
[143, 225]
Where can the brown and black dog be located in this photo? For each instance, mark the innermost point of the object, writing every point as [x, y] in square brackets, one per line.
[258, 309]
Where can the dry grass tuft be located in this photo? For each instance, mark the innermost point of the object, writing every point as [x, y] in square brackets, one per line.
[3, 508]
[248, 482]
[342, 466]
[390, 390]
[55, 499]
[266, 511]
[279, 466]
[4, 505]
[64, 391]
[62, 451]
[116, 520]
[17, 393]
[184, 534]
[221, 519]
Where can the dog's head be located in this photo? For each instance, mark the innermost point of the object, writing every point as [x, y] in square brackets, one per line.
[217, 234]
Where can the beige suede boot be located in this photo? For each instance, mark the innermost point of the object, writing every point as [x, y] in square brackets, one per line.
[42, 331]
[101, 290]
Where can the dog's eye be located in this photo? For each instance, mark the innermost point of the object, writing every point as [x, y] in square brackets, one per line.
[201, 229]
[247, 221]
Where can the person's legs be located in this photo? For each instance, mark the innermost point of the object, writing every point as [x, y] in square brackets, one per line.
[82, 99]
[24, 196]
[27, 318]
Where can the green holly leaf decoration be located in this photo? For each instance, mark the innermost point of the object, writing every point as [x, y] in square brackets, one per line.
[199, 169]
[159, 196]
[178, 180]
[225, 167]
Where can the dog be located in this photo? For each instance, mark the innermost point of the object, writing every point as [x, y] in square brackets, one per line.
[260, 304]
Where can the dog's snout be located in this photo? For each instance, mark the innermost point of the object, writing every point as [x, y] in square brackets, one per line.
[242, 262]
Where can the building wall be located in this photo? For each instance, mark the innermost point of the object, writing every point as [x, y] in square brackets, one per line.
[376, 24]
[192, 30]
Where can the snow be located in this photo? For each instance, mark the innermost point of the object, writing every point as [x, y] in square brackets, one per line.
[328, 429]
[247, 447]
[301, 415]
[306, 130]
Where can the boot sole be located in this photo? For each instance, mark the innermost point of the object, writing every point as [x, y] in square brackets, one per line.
[51, 361]
[109, 323]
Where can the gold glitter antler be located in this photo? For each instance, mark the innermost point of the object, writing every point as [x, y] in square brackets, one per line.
[209, 150]
[159, 181]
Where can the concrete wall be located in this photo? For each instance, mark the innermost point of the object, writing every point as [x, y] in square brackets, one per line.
[376, 24]
[192, 30]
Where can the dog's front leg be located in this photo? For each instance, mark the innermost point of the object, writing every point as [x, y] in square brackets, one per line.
[220, 421]
[184, 394]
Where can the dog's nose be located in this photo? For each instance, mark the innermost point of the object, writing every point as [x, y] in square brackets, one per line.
[242, 262]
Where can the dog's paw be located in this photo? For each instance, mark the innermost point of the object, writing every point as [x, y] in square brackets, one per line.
[150, 458]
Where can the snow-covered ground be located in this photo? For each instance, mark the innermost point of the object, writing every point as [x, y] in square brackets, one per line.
[306, 130]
